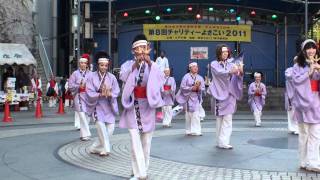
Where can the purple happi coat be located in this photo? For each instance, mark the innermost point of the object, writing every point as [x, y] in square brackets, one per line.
[306, 102]
[225, 89]
[169, 95]
[186, 97]
[289, 94]
[80, 99]
[257, 102]
[104, 109]
[153, 80]
[125, 70]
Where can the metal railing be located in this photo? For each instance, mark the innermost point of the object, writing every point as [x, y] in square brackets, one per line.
[44, 58]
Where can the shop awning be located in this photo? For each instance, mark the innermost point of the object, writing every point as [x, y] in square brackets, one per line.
[16, 54]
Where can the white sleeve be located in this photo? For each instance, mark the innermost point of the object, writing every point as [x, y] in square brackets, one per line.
[40, 84]
[33, 83]
[56, 88]
[157, 60]
[66, 86]
[167, 63]
[125, 70]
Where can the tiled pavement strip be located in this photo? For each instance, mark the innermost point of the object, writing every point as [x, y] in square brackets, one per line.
[118, 163]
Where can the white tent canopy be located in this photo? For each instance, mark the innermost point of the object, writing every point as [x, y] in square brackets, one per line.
[16, 54]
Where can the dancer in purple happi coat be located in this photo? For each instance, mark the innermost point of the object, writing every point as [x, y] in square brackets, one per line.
[226, 88]
[140, 98]
[289, 100]
[103, 90]
[168, 91]
[305, 81]
[77, 86]
[257, 92]
[190, 97]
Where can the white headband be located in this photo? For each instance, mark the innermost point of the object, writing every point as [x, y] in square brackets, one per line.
[83, 60]
[193, 64]
[166, 69]
[257, 74]
[139, 43]
[224, 49]
[103, 60]
[307, 41]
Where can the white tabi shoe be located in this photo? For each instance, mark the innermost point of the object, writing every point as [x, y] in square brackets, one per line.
[313, 168]
[258, 125]
[196, 134]
[303, 166]
[225, 146]
[94, 150]
[85, 138]
[104, 153]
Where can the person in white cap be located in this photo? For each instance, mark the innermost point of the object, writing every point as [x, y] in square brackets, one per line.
[77, 86]
[190, 96]
[168, 95]
[225, 88]
[140, 97]
[257, 92]
[102, 91]
[289, 100]
[305, 77]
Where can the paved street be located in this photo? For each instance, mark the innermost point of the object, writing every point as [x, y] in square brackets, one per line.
[50, 149]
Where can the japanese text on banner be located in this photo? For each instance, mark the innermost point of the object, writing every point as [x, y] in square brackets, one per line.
[197, 32]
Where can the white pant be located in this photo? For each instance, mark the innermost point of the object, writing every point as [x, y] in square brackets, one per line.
[76, 120]
[167, 115]
[84, 121]
[66, 103]
[223, 129]
[176, 110]
[52, 102]
[193, 125]
[202, 113]
[35, 103]
[140, 152]
[292, 124]
[104, 133]
[257, 117]
[309, 144]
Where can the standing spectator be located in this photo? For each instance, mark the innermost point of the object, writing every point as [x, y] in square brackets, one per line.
[6, 75]
[22, 79]
[36, 87]
[162, 61]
